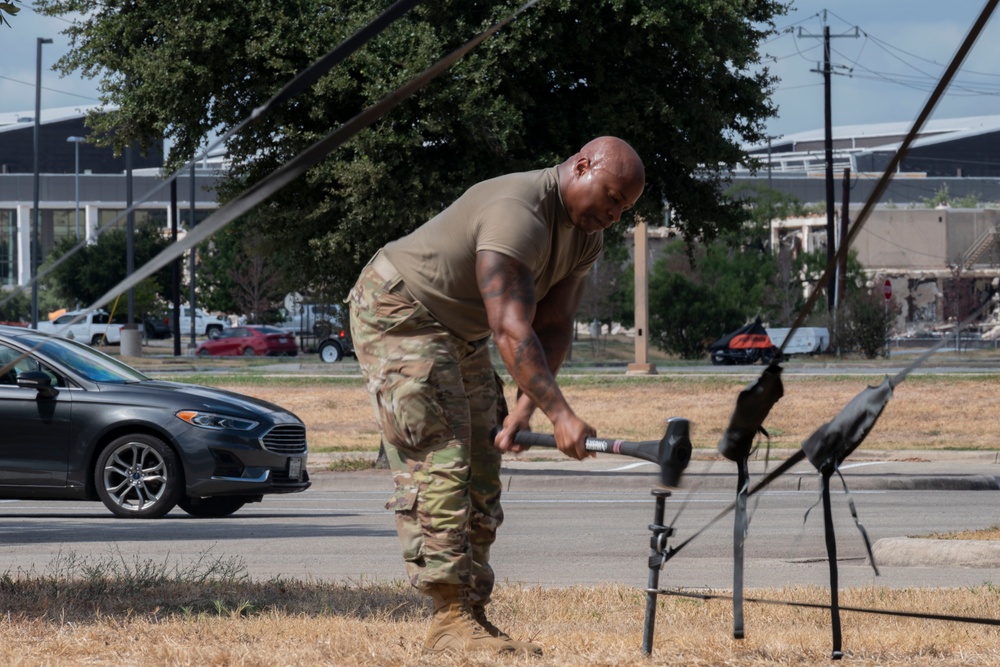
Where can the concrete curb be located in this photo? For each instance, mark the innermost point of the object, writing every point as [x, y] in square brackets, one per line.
[910, 551]
[910, 483]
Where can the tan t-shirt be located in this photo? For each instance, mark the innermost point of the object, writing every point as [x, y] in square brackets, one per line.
[520, 215]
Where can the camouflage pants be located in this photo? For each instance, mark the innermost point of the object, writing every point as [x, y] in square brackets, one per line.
[436, 398]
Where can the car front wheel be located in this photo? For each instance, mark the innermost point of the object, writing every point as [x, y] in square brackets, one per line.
[212, 507]
[96, 340]
[330, 353]
[213, 332]
[249, 352]
[139, 476]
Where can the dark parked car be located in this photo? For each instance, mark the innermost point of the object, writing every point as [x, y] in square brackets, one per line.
[252, 340]
[80, 425]
[157, 327]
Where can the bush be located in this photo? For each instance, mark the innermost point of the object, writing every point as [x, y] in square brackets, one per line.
[17, 309]
[685, 317]
[865, 323]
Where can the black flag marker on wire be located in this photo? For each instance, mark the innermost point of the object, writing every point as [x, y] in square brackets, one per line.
[753, 405]
[826, 449]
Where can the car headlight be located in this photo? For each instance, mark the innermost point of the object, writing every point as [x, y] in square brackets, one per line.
[215, 421]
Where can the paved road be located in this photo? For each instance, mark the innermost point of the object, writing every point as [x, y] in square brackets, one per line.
[567, 524]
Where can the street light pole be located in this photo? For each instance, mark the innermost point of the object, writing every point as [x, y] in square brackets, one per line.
[76, 177]
[36, 236]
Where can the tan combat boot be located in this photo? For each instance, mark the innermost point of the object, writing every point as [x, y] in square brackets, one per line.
[479, 613]
[453, 628]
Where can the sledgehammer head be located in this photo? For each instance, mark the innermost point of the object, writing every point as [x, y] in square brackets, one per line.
[674, 451]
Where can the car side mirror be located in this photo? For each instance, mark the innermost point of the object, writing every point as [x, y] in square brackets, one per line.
[40, 381]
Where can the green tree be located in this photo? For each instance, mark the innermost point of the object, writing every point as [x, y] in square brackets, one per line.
[8, 8]
[88, 274]
[217, 260]
[16, 308]
[734, 278]
[814, 263]
[685, 317]
[681, 80]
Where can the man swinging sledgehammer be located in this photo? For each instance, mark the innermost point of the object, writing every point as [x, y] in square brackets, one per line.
[506, 259]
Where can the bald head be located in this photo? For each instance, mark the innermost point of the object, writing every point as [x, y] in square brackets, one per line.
[617, 156]
[602, 181]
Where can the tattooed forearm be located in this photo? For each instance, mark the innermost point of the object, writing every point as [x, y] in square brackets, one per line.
[541, 387]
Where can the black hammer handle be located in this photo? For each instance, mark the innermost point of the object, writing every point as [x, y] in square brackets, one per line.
[640, 450]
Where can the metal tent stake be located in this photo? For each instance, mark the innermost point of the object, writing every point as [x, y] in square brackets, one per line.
[657, 556]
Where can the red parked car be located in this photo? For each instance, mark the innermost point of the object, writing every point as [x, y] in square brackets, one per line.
[250, 341]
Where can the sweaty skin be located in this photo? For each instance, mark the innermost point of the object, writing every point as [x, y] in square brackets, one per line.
[597, 185]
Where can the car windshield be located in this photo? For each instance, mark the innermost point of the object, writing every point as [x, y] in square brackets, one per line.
[270, 330]
[85, 361]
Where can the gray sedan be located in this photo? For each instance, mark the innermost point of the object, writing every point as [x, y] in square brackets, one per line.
[80, 425]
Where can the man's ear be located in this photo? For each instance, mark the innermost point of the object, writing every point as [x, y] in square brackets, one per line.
[581, 166]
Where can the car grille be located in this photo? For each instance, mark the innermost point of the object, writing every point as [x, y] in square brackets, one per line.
[285, 439]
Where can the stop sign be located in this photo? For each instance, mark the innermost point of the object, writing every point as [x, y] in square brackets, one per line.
[887, 289]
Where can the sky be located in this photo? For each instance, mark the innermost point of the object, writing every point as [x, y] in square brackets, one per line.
[886, 74]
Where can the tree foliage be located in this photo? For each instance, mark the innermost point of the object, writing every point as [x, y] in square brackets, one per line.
[16, 308]
[88, 274]
[680, 80]
[696, 296]
[8, 7]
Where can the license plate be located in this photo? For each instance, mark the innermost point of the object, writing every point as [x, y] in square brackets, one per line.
[282, 340]
[295, 468]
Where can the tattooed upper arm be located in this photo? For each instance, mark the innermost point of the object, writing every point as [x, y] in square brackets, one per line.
[507, 288]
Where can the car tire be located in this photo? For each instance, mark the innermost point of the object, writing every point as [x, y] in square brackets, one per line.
[212, 508]
[204, 353]
[718, 358]
[139, 476]
[96, 340]
[213, 331]
[249, 352]
[330, 352]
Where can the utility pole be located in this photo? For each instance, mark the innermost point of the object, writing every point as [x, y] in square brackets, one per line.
[36, 236]
[828, 147]
[845, 224]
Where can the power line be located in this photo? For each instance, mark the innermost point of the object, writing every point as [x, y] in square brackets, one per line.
[788, 29]
[798, 52]
[803, 85]
[51, 90]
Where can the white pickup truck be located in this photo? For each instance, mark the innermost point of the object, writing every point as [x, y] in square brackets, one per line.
[204, 324]
[95, 327]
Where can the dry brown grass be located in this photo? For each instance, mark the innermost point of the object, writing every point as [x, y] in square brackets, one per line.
[927, 412]
[229, 620]
[984, 534]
